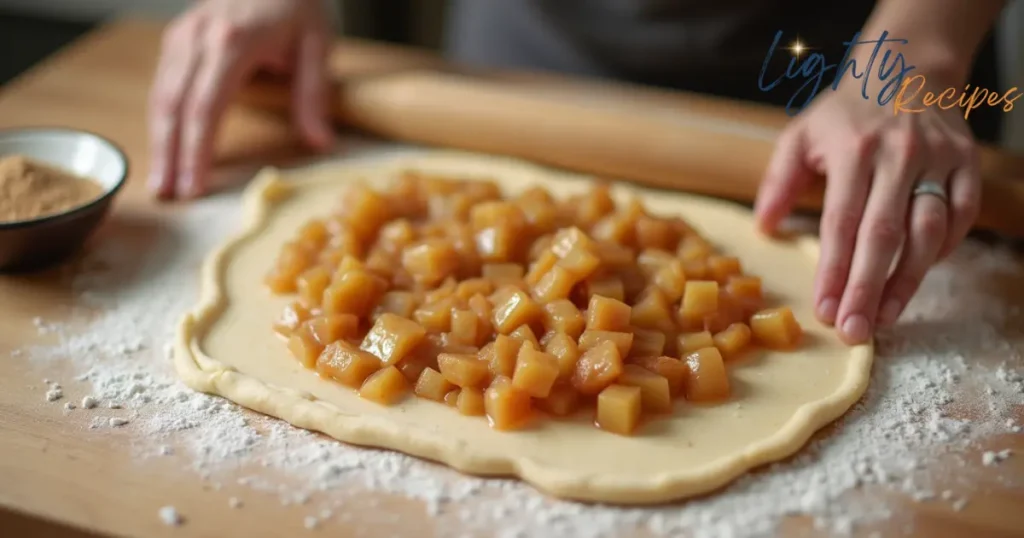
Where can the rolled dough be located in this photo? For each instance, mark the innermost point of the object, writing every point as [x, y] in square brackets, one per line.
[225, 346]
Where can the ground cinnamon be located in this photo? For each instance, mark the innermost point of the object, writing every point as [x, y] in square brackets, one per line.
[30, 189]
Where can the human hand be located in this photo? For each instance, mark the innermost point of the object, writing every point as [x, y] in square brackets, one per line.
[873, 160]
[208, 53]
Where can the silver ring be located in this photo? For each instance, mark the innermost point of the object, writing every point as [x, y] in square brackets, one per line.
[933, 188]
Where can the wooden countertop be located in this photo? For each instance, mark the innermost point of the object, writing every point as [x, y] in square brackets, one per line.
[54, 478]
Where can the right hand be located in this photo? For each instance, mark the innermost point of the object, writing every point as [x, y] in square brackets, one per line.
[208, 53]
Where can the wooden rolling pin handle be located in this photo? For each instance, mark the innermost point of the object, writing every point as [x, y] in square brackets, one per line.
[664, 145]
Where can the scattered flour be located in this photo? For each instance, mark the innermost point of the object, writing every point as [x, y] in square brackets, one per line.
[117, 422]
[235, 502]
[928, 403]
[68, 406]
[170, 516]
[54, 393]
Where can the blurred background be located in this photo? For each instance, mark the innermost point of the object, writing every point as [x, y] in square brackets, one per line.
[32, 29]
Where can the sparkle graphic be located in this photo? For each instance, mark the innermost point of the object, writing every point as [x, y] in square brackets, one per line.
[797, 48]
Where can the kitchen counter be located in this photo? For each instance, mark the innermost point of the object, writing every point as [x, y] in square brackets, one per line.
[59, 476]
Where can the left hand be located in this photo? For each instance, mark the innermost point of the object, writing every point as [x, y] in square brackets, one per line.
[872, 161]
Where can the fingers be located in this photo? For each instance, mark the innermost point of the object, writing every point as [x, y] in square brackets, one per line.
[174, 76]
[849, 179]
[786, 178]
[964, 202]
[310, 92]
[220, 74]
[879, 235]
[927, 232]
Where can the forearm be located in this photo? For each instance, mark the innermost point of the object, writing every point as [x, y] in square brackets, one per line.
[943, 36]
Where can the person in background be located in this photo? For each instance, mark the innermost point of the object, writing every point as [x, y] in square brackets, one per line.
[901, 190]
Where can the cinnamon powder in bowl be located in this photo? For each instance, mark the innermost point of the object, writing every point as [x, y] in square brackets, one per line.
[56, 186]
[30, 189]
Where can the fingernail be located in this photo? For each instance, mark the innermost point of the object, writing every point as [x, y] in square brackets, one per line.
[856, 328]
[827, 309]
[889, 312]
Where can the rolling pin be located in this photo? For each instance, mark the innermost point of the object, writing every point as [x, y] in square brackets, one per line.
[656, 138]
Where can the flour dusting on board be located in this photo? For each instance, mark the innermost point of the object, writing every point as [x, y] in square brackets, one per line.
[914, 418]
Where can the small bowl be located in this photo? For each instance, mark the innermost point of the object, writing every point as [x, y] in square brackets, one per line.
[32, 244]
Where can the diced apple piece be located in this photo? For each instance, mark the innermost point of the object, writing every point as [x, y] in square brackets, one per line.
[561, 401]
[609, 286]
[563, 316]
[651, 260]
[515, 310]
[613, 255]
[694, 248]
[776, 328]
[314, 234]
[654, 388]
[397, 302]
[412, 366]
[435, 317]
[700, 299]
[385, 386]
[579, 261]
[535, 372]
[647, 343]
[696, 270]
[465, 327]
[556, 284]
[432, 385]
[607, 314]
[452, 398]
[673, 370]
[593, 205]
[455, 206]
[365, 210]
[473, 286]
[616, 228]
[292, 316]
[353, 292]
[291, 262]
[396, 235]
[524, 334]
[312, 283]
[653, 311]
[746, 291]
[497, 213]
[500, 355]
[464, 370]
[671, 280]
[507, 407]
[723, 267]
[568, 239]
[470, 402]
[622, 341]
[652, 232]
[430, 261]
[692, 341]
[540, 267]
[565, 349]
[707, 380]
[733, 339]
[502, 272]
[304, 345]
[484, 312]
[618, 409]
[729, 312]
[392, 338]
[598, 367]
[346, 364]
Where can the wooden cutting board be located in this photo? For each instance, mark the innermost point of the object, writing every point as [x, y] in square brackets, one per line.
[56, 474]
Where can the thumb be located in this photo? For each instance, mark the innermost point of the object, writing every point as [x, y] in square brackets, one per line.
[309, 94]
[786, 178]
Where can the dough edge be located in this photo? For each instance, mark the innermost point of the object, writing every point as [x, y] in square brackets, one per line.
[303, 410]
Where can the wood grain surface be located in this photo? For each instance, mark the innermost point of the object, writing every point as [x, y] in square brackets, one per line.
[58, 478]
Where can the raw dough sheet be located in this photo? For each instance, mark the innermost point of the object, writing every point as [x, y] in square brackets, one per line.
[225, 346]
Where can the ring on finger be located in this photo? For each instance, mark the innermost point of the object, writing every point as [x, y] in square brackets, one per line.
[931, 187]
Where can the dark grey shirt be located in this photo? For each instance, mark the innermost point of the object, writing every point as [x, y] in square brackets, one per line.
[698, 45]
